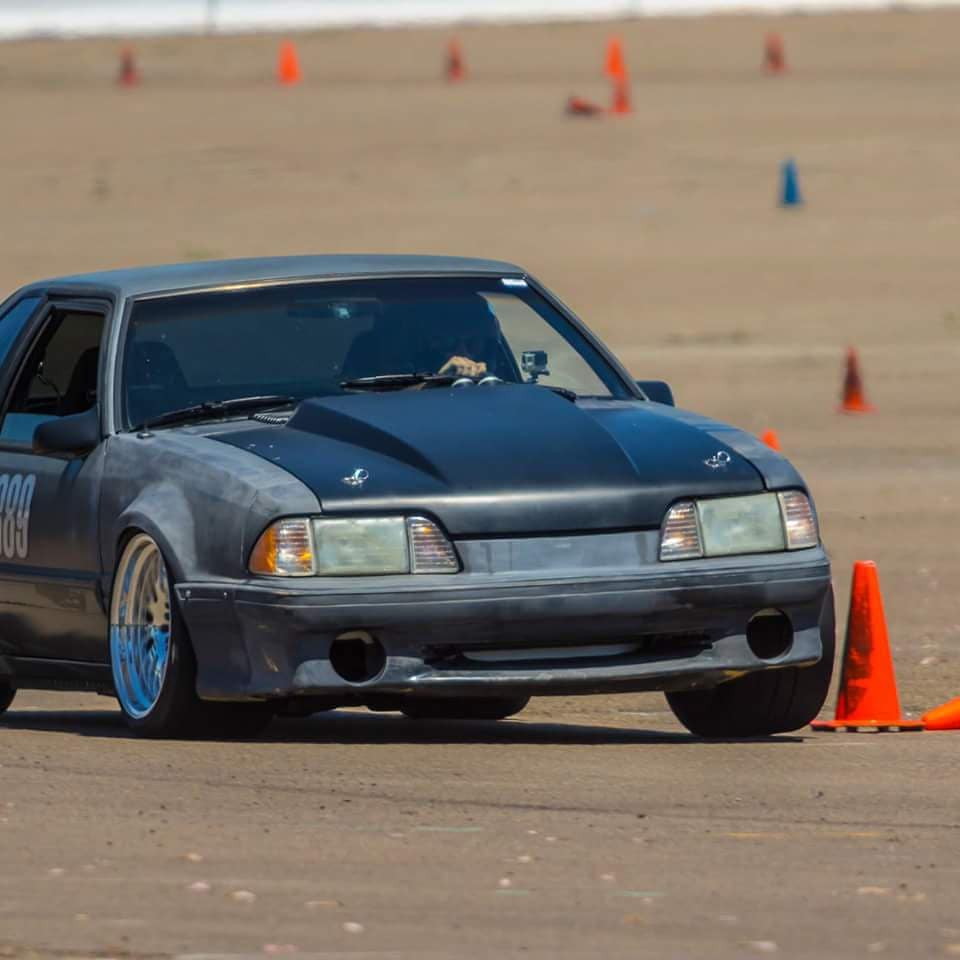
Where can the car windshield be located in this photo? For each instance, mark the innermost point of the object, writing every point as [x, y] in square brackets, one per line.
[336, 337]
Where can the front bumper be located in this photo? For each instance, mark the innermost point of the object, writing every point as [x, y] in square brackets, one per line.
[679, 626]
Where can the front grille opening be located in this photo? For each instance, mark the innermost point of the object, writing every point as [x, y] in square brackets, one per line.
[546, 652]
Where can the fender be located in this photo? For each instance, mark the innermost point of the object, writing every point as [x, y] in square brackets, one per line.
[216, 496]
[162, 512]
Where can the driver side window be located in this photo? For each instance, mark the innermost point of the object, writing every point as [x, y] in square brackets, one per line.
[59, 376]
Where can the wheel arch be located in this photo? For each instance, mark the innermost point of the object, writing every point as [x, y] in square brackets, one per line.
[174, 532]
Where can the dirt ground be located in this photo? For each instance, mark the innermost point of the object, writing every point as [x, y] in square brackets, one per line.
[662, 230]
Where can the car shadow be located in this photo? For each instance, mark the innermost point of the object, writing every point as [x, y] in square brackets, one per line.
[348, 727]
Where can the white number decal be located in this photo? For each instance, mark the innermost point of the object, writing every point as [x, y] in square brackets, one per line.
[23, 515]
[16, 496]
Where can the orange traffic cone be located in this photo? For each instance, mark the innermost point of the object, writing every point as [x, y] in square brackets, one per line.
[944, 717]
[774, 57]
[129, 75]
[771, 439]
[456, 68]
[854, 399]
[288, 65]
[616, 69]
[868, 687]
[578, 107]
[616, 65]
[621, 97]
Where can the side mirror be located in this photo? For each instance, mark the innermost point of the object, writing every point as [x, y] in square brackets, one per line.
[72, 436]
[658, 391]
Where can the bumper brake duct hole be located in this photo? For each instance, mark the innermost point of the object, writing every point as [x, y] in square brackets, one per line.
[769, 634]
[357, 657]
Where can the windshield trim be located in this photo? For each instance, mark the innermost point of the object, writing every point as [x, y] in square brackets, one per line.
[326, 278]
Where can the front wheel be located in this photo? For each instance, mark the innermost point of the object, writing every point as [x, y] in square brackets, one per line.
[762, 703]
[462, 708]
[7, 693]
[154, 668]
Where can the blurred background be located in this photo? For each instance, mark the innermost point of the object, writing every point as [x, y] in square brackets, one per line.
[78, 17]
[140, 132]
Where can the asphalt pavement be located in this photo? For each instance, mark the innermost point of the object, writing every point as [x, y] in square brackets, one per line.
[585, 828]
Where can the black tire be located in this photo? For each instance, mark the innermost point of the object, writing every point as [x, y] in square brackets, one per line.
[181, 715]
[7, 693]
[763, 703]
[177, 712]
[462, 708]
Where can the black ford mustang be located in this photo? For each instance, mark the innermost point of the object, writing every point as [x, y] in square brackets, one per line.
[234, 489]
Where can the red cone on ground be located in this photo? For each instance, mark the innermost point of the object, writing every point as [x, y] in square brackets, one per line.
[129, 75]
[616, 69]
[621, 97]
[616, 65]
[771, 439]
[578, 107]
[288, 65]
[868, 688]
[854, 399]
[456, 68]
[944, 717]
[774, 55]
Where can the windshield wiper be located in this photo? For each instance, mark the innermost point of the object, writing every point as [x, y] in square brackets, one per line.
[210, 409]
[397, 381]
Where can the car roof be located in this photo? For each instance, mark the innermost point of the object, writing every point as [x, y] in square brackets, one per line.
[177, 277]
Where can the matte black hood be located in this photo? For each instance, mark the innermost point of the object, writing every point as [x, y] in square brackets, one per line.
[507, 459]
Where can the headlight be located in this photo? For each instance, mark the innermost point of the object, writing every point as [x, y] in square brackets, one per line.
[361, 546]
[741, 525]
[352, 546]
[727, 526]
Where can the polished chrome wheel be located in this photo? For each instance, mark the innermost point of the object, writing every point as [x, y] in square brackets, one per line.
[140, 624]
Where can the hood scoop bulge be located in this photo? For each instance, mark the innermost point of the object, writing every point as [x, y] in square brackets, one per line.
[504, 460]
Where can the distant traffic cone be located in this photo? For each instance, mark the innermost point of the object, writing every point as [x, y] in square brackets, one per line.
[288, 65]
[456, 69]
[621, 97]
[854, 400]
[790, 195]
[771, 439]
[868, 687]
[616, 65]
[616, 69]
[129, 75]
[944, 717]
[578, 107]
[774, 56]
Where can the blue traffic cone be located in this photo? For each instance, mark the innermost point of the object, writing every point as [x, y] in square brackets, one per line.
[790, 195]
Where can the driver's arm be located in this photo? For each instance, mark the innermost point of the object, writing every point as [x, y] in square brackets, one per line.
[463, 367]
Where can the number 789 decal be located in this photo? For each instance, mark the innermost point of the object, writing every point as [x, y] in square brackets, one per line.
[16, 495]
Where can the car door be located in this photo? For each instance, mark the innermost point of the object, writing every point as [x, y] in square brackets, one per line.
[50, 601]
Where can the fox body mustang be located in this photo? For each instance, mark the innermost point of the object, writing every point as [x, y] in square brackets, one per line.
[234, 489]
